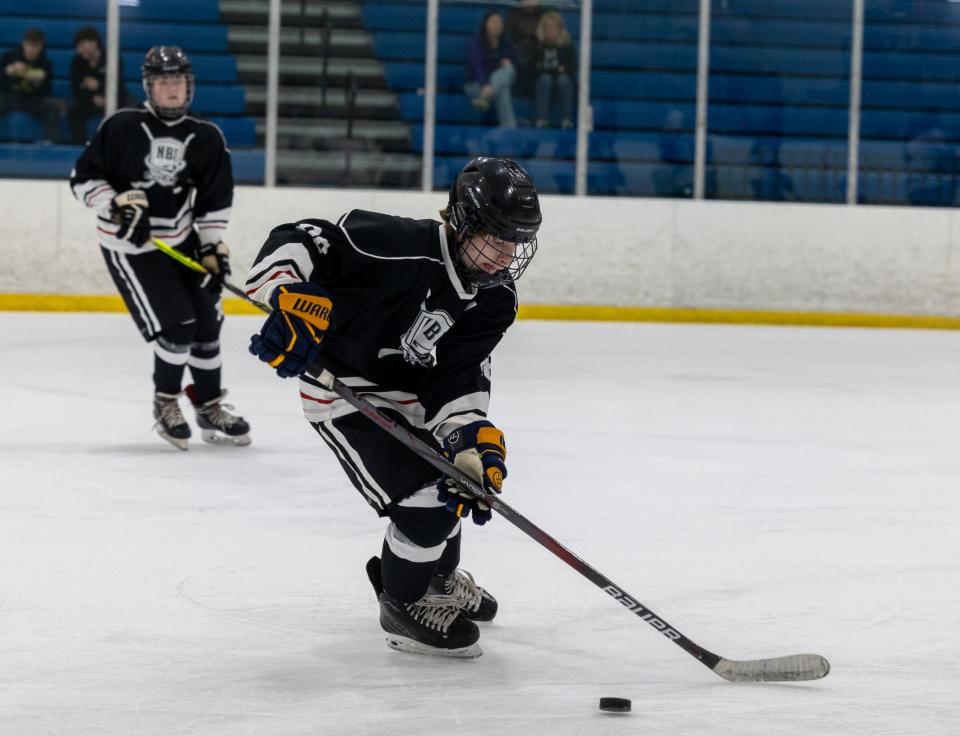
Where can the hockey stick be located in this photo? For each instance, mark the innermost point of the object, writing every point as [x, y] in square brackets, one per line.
[194, 266]
[777, 669]
[795, 667]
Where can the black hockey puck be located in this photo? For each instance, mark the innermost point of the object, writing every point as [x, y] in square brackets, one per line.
[615, 705]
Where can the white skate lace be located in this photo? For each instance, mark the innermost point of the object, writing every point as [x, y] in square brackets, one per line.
[170, 414]
[435, 611]
[462, 586]
[216, 415]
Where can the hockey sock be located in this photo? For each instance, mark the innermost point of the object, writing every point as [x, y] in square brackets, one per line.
[414, 542]
[205, 363]
[450, 558]
[169, 362]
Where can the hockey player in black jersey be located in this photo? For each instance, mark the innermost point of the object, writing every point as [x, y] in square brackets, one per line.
[157, 171]
[411, 310]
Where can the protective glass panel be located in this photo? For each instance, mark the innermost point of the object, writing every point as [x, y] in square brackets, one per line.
[339, 120]
[910, 119]
[52, 93]
[779, 97]
[643, 94]
[502, 89]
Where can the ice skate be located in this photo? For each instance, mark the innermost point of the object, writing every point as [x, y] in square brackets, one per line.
[475, 602]
[433, 625]
[170, 423]
[217, 425]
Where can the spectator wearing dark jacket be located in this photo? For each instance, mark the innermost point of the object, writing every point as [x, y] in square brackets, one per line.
[88, 81]
[492, 70]
[554, 64]
[27, 82]
[522, 22]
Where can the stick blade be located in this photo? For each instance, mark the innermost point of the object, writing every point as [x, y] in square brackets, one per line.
[794, 668]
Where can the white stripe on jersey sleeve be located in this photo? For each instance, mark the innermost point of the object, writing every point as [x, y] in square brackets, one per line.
[288, 264]
[463, 410]
[96, 194]
[212, 225]
[172, 223]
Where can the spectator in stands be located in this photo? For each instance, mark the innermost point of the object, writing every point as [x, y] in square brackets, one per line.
[522, 22]
[27, 83]
[554, 65]
[492, 70]
[88, 82]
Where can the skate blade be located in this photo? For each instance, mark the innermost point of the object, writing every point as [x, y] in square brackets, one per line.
[180, 444]
[213, 437]
[410, 646]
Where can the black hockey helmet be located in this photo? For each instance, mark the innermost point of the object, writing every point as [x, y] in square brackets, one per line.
[163, 61]
[494, 197]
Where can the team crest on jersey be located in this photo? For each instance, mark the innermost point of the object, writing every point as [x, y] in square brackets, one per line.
[420, 341]
[166, 160]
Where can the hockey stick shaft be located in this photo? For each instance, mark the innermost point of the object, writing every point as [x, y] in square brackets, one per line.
[790, 668]
[427, 453]
[194, 266]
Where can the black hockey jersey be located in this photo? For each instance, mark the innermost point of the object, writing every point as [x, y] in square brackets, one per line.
[416, 336]
[169, 160]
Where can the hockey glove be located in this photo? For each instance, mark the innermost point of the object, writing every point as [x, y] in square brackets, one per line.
[479, 450]
[129, 211]
[215, 257]
[290, 338]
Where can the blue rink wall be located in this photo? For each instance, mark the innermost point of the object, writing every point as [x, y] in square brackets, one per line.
[600, 258]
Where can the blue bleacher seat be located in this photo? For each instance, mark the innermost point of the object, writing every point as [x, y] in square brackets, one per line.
[730, 59]
[240, 132]
[55, 162]
[663, 86]
[207, 68]
[248, 166]
[779, 93]
[18, 126]
[187, 10]
[808, 30]
[192, 24]
[134, 36]
[210, 99]
[492, 141]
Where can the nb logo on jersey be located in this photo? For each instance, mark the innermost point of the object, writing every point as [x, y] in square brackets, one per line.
[420, 341]
[166, 160]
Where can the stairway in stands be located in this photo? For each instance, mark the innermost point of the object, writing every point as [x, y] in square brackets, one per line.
[316, 145]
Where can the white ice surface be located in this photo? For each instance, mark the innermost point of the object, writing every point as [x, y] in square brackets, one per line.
[768, 491]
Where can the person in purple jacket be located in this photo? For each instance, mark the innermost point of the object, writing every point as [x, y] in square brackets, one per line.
[492, 70]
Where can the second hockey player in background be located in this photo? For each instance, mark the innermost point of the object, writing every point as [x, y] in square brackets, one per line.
[157, 171]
